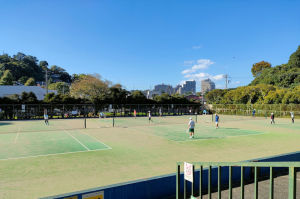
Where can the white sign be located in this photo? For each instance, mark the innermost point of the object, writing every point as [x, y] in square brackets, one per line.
[94, 195]
[23, 108]
[188, 171]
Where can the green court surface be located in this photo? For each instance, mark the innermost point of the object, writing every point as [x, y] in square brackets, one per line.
[180, 133]
[37, 160]
[30, 144]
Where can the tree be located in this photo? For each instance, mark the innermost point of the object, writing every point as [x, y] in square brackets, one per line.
[117, 95]
[137, 97]
[30, 82]
[60, 87]
[291, 97]
[257, 68]
[294, 60]
[44, 65]
[23, 79]
[215, 96]
[23, 66]
[60, 73]
[275, 96]
[7, 78]
[89, 87]
[284, 75]
[28, 97]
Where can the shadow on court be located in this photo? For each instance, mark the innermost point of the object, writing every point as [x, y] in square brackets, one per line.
[4, 123]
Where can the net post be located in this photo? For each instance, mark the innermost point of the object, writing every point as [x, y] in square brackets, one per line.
[84, 123]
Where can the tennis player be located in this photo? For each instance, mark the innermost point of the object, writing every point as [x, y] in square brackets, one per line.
[217, 118]
[293, 117]
[46, 118]
[149, 116]
[272, 118]
[253, 113]
[191, 126]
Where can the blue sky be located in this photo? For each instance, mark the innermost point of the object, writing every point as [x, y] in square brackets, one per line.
[141, 43]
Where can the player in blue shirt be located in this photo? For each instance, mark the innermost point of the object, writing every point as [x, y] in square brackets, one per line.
[253, 113]
[217, 120]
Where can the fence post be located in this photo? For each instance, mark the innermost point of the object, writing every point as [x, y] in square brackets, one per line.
[200, 181]
[271, 194]
[292, 183]
[242, 182]
[219, 182]
[255, 183]
[230, 183]
[193, 183]
[209, 182]
[178, 182]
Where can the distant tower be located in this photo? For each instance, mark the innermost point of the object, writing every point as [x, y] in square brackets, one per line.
[227, 81]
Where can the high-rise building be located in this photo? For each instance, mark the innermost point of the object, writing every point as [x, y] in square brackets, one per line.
[163, 88]
[207, 85]
[177, 89]
[188, 86]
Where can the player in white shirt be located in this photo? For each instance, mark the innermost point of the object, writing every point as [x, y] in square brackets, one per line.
[191, 126]
[293, 117]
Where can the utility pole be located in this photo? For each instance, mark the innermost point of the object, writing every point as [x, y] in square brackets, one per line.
[46, 80]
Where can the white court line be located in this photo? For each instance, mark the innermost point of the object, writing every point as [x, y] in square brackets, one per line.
[35, 156]
[96, 139]
[15, 141]
[77, 140]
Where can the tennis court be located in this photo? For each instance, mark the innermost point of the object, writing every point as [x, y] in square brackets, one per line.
[39, 160]
[23, 139]
[41, 140]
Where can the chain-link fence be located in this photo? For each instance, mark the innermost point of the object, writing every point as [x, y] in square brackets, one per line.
[36, 111]
[280, 110]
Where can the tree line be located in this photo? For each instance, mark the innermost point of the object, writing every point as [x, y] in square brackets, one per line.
[92, 89]
[271, 85]
[78, 88]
